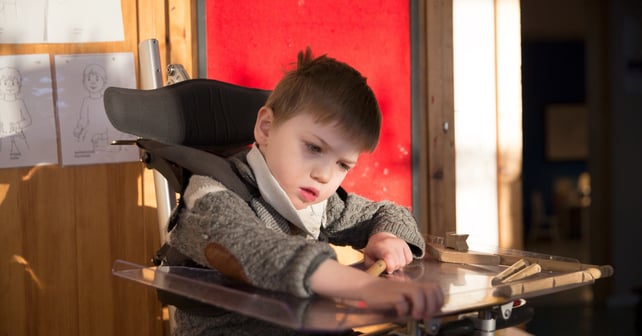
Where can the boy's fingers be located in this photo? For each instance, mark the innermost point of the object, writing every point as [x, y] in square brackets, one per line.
[402, 307]
[419, 306]
[391, 264]
[408, 255]
[437, 301]
[396, 261]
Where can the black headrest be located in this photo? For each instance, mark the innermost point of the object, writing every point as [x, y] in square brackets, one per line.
[196, 112]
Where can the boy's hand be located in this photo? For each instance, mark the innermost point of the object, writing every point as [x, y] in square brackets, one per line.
[386, 246]
[419, 300]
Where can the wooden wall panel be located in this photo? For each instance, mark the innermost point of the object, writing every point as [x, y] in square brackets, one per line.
[182, 30]
[49, 244]
[440, 130]
[61, 228]
[152, 24]
[93, 224]
[14, 274]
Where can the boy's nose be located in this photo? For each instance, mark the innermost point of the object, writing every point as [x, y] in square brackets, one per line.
[322, 173]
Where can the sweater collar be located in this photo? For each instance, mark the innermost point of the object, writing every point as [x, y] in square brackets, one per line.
[309, 219]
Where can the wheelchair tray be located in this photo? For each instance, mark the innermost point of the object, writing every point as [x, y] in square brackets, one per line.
[467, 287]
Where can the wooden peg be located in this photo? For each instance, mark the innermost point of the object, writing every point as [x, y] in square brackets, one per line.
[527, 271]
[456, 241]
[377, 268]
[510, 270]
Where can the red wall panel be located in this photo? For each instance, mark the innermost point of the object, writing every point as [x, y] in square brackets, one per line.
[252, 42]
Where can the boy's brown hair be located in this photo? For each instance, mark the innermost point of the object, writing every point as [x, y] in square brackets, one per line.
[333, 92]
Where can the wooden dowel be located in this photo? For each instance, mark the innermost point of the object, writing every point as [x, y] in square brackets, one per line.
[524, 273]
[510, 270]
[377, 268]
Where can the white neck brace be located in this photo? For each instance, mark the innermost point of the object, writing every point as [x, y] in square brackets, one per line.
[309, 219]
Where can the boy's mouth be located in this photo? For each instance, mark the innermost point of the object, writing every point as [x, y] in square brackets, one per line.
[308, 194]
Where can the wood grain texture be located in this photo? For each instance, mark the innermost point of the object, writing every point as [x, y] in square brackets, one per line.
[14, 278]
[152, 24]
[182, 30]
[440, 139]
[61, 228]
[448, 255]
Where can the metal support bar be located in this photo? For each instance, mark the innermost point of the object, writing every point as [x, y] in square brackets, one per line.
[151, 78]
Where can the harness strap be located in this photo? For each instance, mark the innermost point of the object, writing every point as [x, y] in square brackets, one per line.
[196, 162]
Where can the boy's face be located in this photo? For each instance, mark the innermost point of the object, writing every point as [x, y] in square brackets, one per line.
[307, 158]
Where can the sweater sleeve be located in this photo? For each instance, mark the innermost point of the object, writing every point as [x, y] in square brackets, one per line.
[217, 229]
[353, 221]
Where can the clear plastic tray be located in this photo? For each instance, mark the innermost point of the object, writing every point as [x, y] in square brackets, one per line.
[467, 287]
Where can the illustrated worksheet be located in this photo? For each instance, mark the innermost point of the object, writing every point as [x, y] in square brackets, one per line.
[60, 21]
[27, 122]
[86, 135]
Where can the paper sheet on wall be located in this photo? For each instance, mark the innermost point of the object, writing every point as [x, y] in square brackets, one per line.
[85, 132]
[60, 21]
[27, 123]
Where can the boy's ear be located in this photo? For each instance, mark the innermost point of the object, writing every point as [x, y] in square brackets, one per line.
[264, 122]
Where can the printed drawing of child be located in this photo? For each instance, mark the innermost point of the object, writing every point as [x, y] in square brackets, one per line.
[14, 116]
[93, 126]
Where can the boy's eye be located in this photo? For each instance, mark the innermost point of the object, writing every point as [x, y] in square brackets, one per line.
[313, 148]
[344, 166]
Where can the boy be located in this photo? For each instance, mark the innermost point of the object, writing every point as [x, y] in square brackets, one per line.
[310, 133]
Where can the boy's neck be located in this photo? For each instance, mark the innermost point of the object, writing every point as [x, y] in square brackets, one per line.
[309, 219]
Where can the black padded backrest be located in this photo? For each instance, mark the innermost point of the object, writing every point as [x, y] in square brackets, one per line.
[203, 113]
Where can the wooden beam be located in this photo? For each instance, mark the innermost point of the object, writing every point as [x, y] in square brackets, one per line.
[183, 39]
[152, 24]
[440, 128]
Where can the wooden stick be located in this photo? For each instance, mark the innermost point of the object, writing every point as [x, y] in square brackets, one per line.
[470, 257]
[524, 273]
[510, 270]
[553, 265]
[377, 268]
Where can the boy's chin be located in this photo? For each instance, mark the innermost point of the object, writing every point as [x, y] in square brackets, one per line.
[300, 205]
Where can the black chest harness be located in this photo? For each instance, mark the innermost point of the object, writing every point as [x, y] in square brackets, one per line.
[193, 162]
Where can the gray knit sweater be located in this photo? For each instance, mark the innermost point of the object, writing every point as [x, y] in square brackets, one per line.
[253, 243]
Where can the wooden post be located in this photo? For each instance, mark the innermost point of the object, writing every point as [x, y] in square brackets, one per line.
[440, 129]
